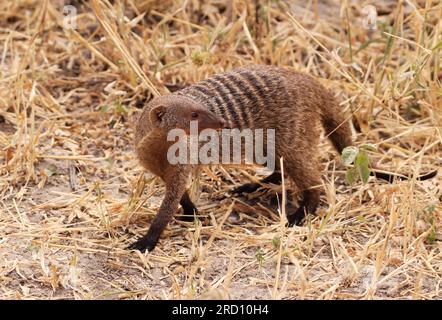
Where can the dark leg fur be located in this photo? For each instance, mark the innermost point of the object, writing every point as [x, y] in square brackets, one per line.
[274, 178]
[175, 188]
[305, 175]
[308, 205]
[189, 209]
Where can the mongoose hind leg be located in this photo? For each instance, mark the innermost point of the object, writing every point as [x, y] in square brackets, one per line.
[176, 181]
[308, 205]
[274, 178]
[189, 208]
[306, 176]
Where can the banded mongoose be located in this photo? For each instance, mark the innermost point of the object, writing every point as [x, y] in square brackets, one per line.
[266, 97]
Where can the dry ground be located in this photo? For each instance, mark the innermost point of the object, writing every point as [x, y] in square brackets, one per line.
[72, 195]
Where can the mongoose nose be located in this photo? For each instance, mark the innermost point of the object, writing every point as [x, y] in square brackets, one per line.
[222, 122]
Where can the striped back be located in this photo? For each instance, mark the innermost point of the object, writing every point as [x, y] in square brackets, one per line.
[239, 96]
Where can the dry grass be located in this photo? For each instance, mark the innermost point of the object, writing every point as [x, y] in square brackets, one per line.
[72, 195]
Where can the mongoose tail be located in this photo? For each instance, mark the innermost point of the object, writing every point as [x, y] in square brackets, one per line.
[391, 176]
[337, 128]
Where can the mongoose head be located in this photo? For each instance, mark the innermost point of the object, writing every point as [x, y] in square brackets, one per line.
[177, 112]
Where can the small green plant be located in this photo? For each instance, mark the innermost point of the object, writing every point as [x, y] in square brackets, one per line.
[431, 238]
[104, 108]
[259, 255]
[276, 242]
[432, 235]
[119, 107]
[430, 208]
[200, 58]
[357, 161]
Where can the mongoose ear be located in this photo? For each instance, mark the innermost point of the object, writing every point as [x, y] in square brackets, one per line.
[156, 115]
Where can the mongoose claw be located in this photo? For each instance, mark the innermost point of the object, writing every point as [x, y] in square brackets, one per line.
[143, 244]
[246, 188]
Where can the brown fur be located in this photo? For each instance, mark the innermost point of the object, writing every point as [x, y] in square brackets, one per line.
[158, 117]
[257, 97]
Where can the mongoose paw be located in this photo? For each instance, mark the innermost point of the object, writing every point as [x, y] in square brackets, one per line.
[246, 188]
[143, 244]
[297, 218]
[189, 209]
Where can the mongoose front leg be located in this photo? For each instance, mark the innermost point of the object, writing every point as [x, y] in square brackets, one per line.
[189, 208]
[274, 178]
[175, 188]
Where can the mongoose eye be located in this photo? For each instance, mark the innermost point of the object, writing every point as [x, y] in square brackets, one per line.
[194, 115]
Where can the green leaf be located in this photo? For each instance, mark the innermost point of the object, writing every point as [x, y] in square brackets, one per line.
[276, 241]
[431, 208]
[349, 155]
[104, 108]
[364, 172]
[361, 163]
[369, 147]
[201, 57]
[120, 108]
[350, 176]
[431, 238]
[362, 159]
[260, 256]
